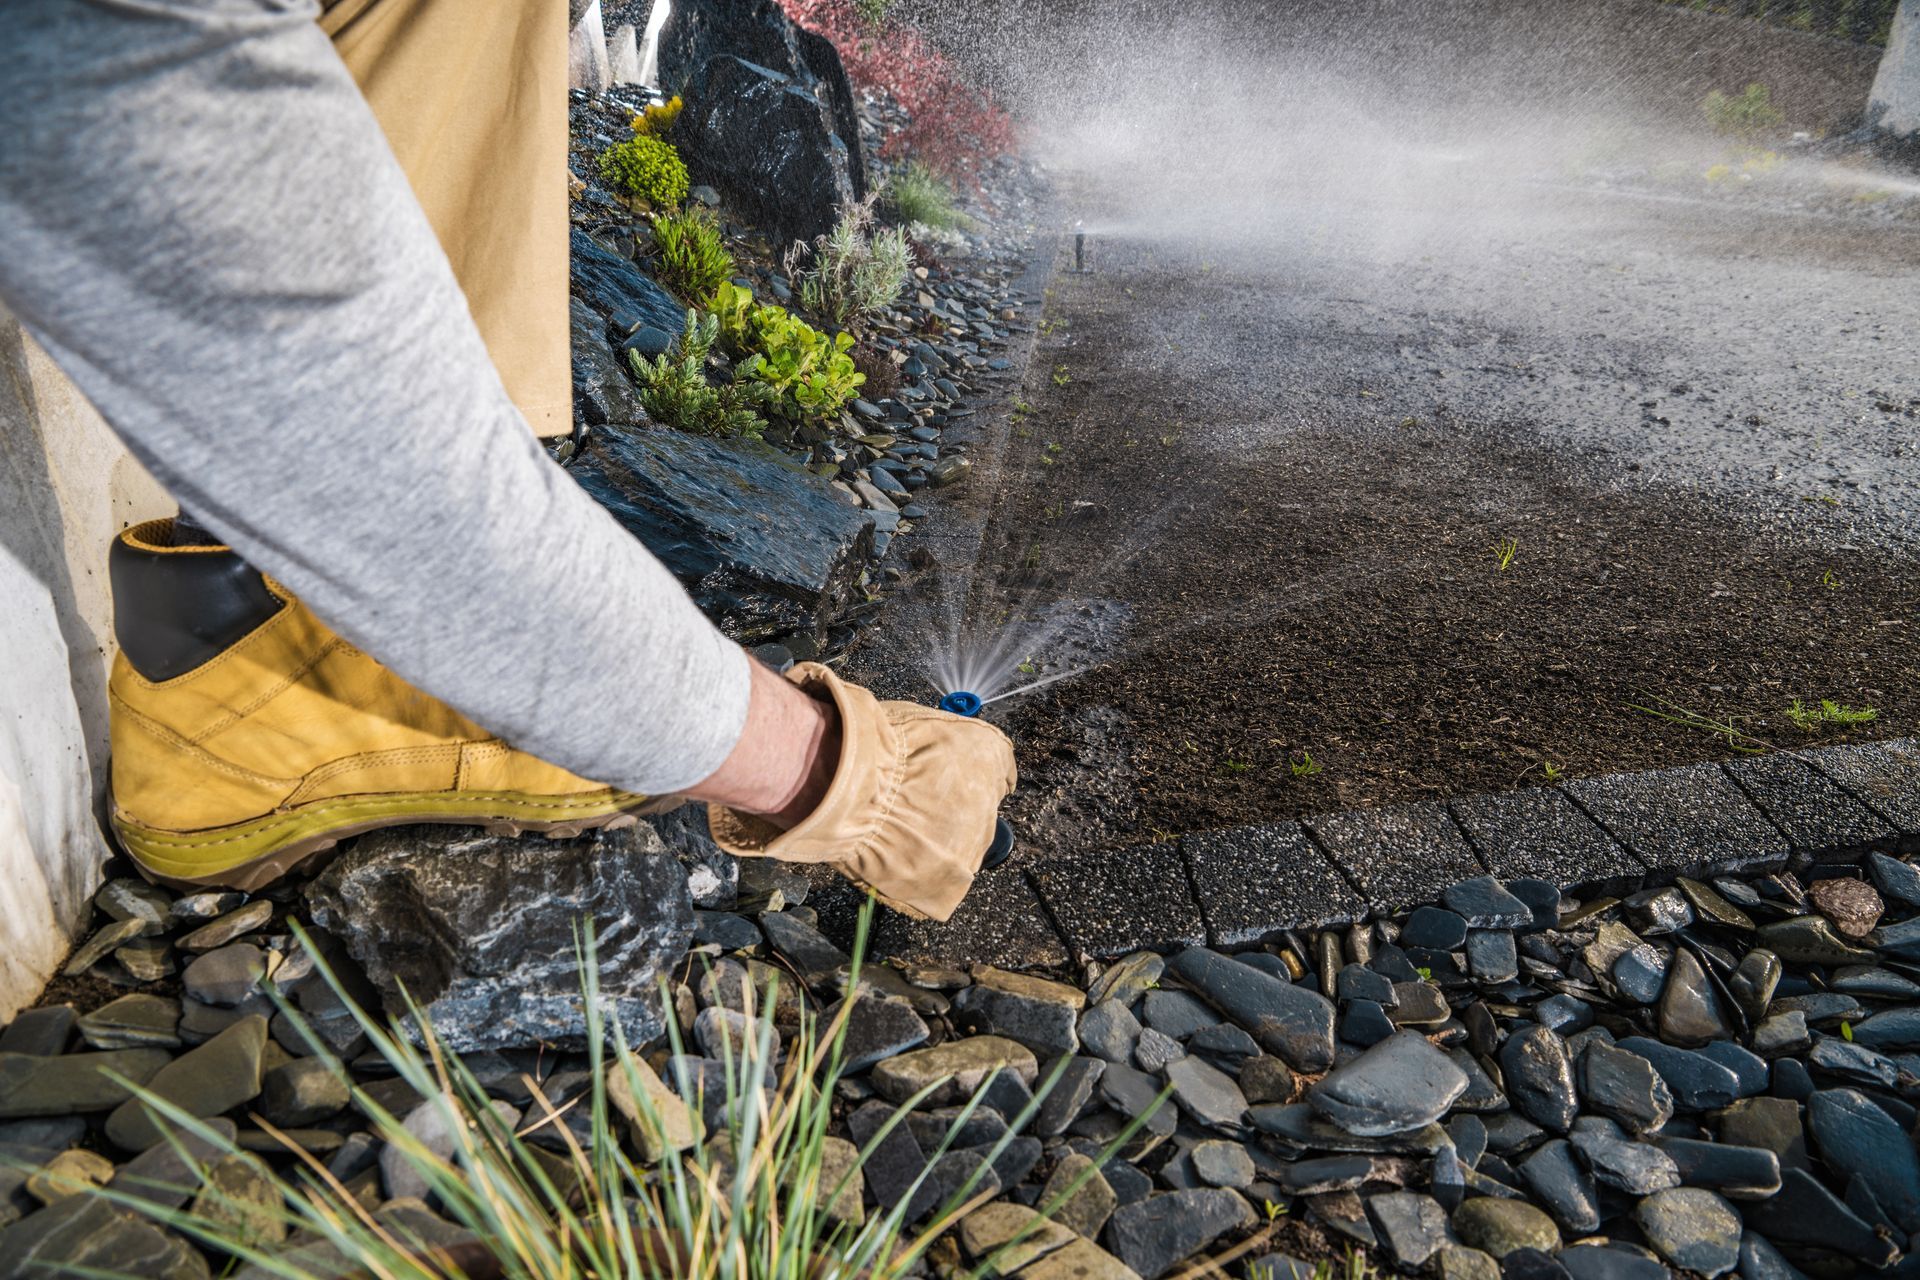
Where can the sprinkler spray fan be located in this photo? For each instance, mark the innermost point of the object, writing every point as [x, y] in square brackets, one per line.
[960, 702]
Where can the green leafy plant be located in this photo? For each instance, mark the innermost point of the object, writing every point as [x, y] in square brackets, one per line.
[1503, 553]
[851, 274]
[1846, 1031]
[1747, 114]
[917, 194]
[691, 256]
[626, 1180]
[1553, 771]
[1233, 766]
[1829, 713]
[1305, 767]
[675, 391]
[806, 374]
[646, 168]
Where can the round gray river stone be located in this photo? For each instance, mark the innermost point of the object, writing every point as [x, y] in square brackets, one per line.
[1402, 1083]
[1693, 1229]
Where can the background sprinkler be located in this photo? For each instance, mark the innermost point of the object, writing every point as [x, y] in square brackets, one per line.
[962, 703]
[1079, 249]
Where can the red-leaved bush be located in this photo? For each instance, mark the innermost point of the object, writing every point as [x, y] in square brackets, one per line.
[952, 128]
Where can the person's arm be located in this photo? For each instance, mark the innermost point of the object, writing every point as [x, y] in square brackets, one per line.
[202, 223]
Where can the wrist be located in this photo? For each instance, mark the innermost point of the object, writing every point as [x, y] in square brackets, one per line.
[786, 755]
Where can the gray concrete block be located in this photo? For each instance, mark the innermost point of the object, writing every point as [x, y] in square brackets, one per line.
[1000, 922]
[1884, 776]
[1400, 856]
[1686, 821]
[1819, 818]
[1540, 833]
[1254, 880]
[1130, 899]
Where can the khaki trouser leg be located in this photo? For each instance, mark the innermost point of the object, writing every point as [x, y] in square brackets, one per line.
[472, 95]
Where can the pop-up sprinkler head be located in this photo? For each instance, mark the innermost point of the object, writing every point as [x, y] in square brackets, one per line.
[1079, 249]
[962, 703]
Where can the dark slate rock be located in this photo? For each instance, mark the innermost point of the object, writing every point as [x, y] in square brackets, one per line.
[1817, 816]
[1044, 1026]
[1482, 1094]
[226, 976]
[1604, 1262]
[1561, 1183]
[1499, 1227]
[482, 929]
[1485, 903]
[1791, 1080]
[1364, 1023]
[765, 548]
[1692, 819]
[1401, 855]
[1806, 1213]
[1882, 776]
[1811, 940]
[1854, 1063]
[89, 1235]
[39, 1032]
[1754, 981]
[769, 145]
[1254, 880]
[611, 284]
[1697, 1082]
[1509, 1132]
[1152, 1236]
[814, 957]
[1176, 1013]
[1299, 1125]
[1539, 1077]
[1636, 1168]
[1134, 1093]
[1691, 1228]
[1761, 1261]
[1770, 1123]
[894, 1163]
[1531, 1264]
[1109, 1030]
[1857, 1139]
[1619, 1083]
[1690, 1013]
[1289, 1021]
[601, 387]
[1640, 973]
[1565, 1014]
[1469, 1134]
[1491, 956]
[1131, 899]
[1542, 898]
[1743, 1173]
[1072, 1090]
[877, 1028]
[1894, 878]
[1400, 1084]
[1223, 1043]
[1749, 1069]
[33, 1085]
[1539, 834]
[1894, 1031]
[215, 1078]
[1412, 1226]
[725, 930]
[1357, 982]
[1434, 928]
[168, 1174]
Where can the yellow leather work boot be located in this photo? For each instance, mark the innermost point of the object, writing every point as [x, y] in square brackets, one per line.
[248, 737]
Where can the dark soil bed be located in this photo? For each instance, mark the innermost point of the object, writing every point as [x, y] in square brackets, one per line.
[1332, 593]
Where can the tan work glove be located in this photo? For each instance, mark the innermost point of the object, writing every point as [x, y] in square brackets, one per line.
[911, 808]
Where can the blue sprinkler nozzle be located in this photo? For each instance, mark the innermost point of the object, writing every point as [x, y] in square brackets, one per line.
[961, 703]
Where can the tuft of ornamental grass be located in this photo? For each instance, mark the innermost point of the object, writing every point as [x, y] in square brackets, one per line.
[638, 1189]
[854, 272]
[690, 254]
[917, 194]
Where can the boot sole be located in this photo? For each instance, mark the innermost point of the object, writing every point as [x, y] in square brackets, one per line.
[251, 855]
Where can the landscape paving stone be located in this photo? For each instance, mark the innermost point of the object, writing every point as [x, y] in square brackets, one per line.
[1818, 817]
[999, 922]
[1400, 856]
[1130, 899]
[1692, 820]
[1539, 834]
[1884, 776]
[1255, 880]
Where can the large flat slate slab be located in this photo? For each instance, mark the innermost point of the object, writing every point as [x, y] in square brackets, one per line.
[1131, 899]
[1818, 817]
[1686, 821]
[1254, 880]
[1884, 776]
[1539, 832]
[1399, 856]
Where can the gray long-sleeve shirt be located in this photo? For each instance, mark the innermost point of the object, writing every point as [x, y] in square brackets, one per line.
[201, 221]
